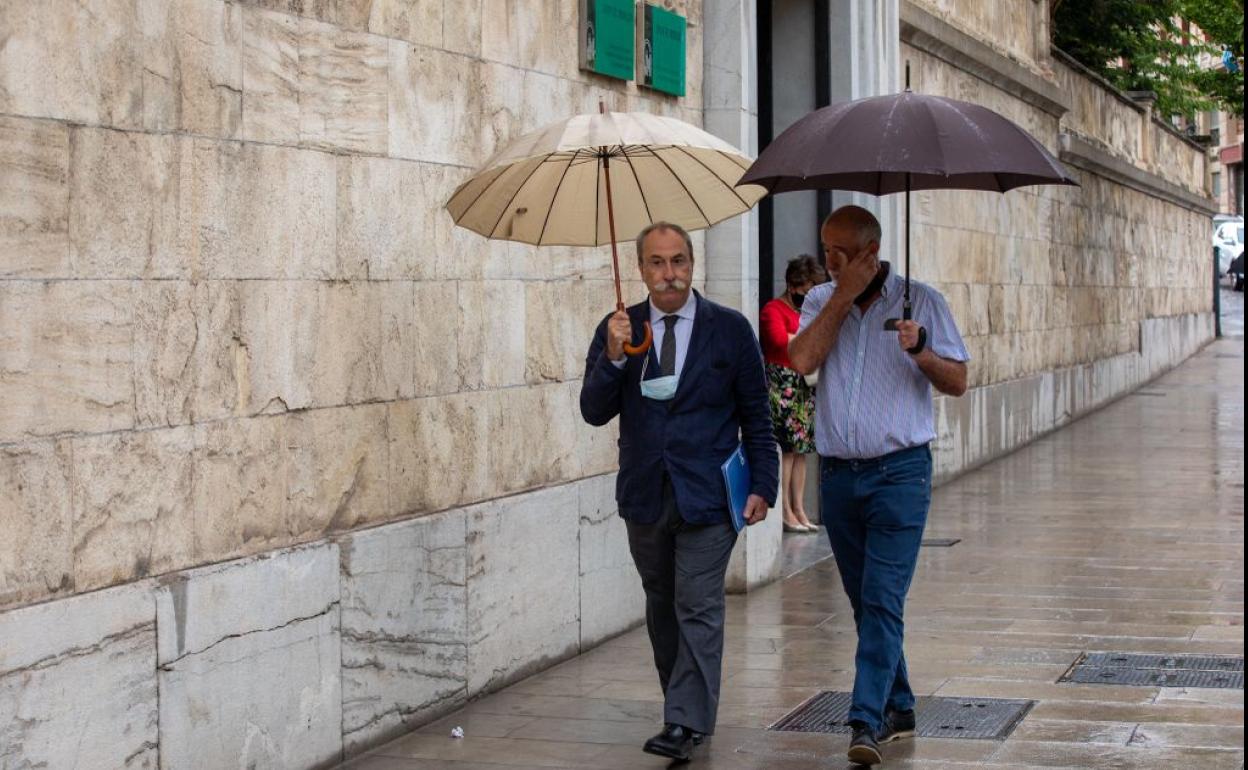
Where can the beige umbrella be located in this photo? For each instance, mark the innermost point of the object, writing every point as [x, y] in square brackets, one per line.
[555, 186]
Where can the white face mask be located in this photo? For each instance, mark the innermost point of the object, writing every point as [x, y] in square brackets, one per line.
[660, 388]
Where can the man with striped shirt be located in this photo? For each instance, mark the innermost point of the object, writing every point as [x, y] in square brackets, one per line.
[873, 425]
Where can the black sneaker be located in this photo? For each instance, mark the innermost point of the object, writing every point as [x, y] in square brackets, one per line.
[863, 747]
[897, 725]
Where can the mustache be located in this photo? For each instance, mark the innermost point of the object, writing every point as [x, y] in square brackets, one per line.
[675, 283]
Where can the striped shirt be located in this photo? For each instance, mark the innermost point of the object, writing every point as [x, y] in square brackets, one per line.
[872, 399]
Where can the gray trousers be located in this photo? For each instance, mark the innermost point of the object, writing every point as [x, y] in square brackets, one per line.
[682, 569]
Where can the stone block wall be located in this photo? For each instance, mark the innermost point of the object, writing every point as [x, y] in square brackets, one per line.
[1019, 29]
[234, 315]
[299, 656]
[1068, 297]
[258, 393]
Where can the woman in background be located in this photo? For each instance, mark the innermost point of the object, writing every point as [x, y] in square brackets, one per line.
[792, 400]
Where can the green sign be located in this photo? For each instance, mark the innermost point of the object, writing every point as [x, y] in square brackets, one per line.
[662, 51]
[607, 37]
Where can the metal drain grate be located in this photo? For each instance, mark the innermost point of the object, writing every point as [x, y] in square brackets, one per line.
[1128, 668]
[936, 717]
[941, 542]
[1167, 662]
[1156, 393]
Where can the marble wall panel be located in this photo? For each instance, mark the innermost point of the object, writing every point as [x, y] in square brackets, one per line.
[131, 215]
[461, 30]
[192, 56]
[439, 452]
[34, 199]
[338, 468]
[404, 611]
[73, 61]
[263, 212]
[271, 72]
[133, 513]
[78, 682]
[435, 105]
[36, 515]
[65, 357]
[612, 599]
[239, 487]
[343, 86]
[416, 21]
[166, 335]
[255, 644]
[492, 319]
[523, 605]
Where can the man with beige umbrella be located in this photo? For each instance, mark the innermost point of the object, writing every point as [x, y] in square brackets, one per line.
[682, 413]
[685, 403]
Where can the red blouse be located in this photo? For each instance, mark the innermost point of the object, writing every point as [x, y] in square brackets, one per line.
[776, 321]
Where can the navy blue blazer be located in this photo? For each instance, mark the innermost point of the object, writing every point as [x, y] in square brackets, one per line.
[721, 400]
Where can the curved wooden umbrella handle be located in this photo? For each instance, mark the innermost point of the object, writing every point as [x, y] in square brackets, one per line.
[643, 346]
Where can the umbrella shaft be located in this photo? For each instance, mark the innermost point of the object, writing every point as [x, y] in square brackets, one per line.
[906, 305]
[615, 257]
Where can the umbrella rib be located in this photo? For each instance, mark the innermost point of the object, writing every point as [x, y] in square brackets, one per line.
[640, 191]
[484, 189]
[597, 213]
[551, 208]
[685, 187]
[512, 199]
[712, 173]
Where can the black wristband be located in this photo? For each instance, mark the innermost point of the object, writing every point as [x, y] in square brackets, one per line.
[922, 343]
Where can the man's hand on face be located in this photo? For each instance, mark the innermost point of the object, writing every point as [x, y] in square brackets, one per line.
[857, 273]
[619, 333]
[755, 509]
[908, 335]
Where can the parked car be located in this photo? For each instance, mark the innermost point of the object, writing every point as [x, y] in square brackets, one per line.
[1228, 244]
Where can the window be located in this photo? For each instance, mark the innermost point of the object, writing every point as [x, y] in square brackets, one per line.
[1217, 184]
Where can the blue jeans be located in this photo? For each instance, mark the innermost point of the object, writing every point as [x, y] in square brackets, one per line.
[875, 511]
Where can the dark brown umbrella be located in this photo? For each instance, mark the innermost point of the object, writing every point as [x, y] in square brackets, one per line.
[903, 142]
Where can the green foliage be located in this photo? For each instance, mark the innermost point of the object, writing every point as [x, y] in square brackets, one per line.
[1139, 46]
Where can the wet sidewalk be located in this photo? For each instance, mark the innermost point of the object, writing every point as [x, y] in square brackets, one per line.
[1122, 532]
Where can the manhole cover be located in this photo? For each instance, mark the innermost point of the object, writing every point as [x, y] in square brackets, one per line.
[941, 542]
[1129, 668]
[936, 717]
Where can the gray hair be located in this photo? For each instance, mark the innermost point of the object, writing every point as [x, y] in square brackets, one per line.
[641, 237]
[859, 219]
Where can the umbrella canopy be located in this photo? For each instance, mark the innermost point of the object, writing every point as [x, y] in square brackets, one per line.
[555, 187]
[903, 142]
[879, 144]
[550, 187]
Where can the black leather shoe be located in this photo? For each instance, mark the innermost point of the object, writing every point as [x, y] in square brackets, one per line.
[675, 742]
[863, 747]
[897, 725]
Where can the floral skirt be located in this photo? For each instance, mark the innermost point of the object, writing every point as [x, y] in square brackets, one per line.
[792, 409]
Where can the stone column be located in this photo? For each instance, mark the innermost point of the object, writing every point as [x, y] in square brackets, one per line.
[865, 62]
[730, 103]
[865, 52]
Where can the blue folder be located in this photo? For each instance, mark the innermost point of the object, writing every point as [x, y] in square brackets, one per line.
[736, 470]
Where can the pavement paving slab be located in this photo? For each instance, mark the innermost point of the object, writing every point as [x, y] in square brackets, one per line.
[1121, 532]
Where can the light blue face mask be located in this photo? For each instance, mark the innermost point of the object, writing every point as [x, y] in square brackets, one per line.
[660, 388]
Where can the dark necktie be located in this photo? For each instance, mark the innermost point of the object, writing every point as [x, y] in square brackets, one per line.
[667, 355]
